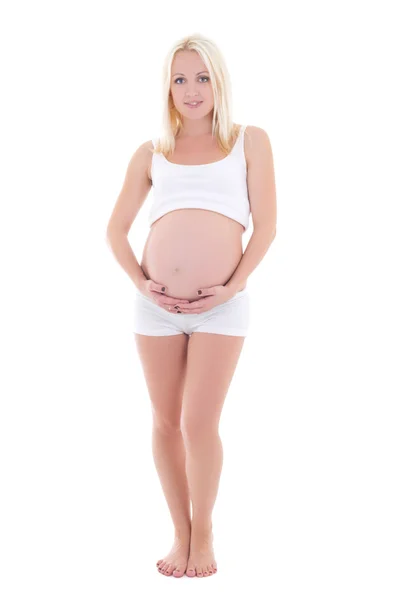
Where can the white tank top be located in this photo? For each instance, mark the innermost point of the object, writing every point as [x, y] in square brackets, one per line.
[220, 186]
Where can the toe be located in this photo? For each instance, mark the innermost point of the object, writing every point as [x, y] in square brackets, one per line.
[199, 572]
[160, 564]
[165, 567]
[190, 572]
[168, 569]
[178, 572]
[209, 569]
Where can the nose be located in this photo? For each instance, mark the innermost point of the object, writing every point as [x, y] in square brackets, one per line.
[192, 96]
[192, 90]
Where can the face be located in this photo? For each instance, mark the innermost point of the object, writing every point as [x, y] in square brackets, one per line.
[190, 81]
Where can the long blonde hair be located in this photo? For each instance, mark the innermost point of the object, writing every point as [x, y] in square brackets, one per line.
[222, 126]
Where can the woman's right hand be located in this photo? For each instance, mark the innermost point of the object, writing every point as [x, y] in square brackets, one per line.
[156, 292]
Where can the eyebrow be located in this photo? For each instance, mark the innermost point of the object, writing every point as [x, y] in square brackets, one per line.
[184, 73]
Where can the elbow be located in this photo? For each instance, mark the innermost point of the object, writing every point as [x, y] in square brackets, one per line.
[267, 232]
[109, 234]
[113, 230]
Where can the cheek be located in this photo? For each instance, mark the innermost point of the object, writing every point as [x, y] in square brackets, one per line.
[176, 94]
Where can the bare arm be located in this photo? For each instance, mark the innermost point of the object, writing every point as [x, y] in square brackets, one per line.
[262, 197]
[135, 189]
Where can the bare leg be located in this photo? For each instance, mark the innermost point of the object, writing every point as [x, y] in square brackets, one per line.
[204, 466]
[212, 359]
[169, 457]
[170, 460]
[164, 364]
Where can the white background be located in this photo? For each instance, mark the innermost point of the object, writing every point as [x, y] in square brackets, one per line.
[309, 494]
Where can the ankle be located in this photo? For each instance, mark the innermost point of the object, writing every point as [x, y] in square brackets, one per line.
[201, 528]
[182, 533]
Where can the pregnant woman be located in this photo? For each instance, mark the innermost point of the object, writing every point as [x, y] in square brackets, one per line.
[191, 312]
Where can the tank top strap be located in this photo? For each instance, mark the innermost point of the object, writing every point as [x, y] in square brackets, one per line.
[238, 148]
[156, 158]
[241, 134]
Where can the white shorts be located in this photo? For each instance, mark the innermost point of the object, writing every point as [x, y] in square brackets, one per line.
[230, 318]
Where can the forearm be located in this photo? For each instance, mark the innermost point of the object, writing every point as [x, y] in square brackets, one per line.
[122, 251]
[256, 249]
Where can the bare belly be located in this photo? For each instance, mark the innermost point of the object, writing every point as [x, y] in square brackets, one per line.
[191, 249]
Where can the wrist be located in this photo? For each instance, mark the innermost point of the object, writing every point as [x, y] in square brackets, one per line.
[236, 287]
[139, 283]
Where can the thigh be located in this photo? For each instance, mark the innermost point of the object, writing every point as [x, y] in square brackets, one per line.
[231, 318]
[153, 320]
[163, 360]
[211, 363]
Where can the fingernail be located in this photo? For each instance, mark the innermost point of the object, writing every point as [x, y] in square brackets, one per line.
[163, 289]
[199, 291]
[179, 311]
[176, 306]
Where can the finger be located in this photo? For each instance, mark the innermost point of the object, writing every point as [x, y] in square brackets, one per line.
[162, 290]
[206, 292]
[172, 307]
[155, 287]
[194, 304]
[169, 299]
[191, 309]
[173, 301]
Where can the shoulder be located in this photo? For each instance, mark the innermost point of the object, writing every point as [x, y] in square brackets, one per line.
[144, 154]
[257, 136]
[256, 142]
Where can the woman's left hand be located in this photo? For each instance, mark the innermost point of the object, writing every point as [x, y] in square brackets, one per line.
[208, 298]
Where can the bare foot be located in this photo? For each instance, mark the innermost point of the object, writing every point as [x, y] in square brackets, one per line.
[176, 561]
[201, 561]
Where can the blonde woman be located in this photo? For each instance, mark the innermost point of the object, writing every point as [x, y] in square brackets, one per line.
[191, 312]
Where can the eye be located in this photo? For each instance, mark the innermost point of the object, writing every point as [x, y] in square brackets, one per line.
[203, 77]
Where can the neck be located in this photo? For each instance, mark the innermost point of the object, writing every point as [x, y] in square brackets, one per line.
[195, 128]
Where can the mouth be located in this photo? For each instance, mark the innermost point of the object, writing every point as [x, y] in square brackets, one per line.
[194, 105]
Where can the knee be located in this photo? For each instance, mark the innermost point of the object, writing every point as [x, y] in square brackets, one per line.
[198, 430]
[166, 425]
